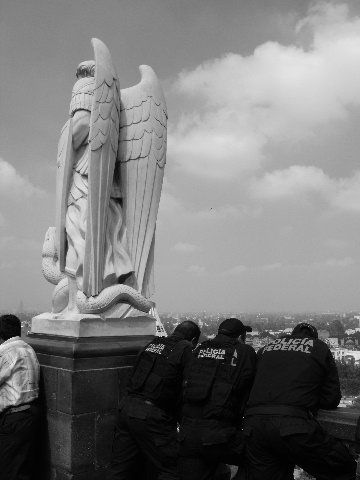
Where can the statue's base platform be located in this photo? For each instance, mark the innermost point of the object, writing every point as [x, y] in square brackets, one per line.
[87, 325]
[82, 382]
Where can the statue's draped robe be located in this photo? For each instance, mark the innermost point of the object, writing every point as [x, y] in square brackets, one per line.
[117, 261]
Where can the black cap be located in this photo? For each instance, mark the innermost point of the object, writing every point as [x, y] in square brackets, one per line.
[300, 327]
[233, 327]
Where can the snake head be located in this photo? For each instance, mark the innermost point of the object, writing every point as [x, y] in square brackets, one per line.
[49, 246]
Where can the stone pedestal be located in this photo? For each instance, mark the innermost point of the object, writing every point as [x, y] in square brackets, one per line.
[82, 381]
[89, 325]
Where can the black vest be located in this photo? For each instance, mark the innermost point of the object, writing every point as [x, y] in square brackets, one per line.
[211, 384]
[158, 372]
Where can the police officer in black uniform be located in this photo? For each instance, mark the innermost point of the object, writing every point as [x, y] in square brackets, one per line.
[216, 389]
[296, 376]
[147, 423]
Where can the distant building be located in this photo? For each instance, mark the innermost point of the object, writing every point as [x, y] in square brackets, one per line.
[345, 355]
[257, 343]
[350, 344]
[323, 334]
[332, 342]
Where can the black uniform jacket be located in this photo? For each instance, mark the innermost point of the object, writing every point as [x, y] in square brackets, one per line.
[219, 379]
[298, 372]
[159, 369]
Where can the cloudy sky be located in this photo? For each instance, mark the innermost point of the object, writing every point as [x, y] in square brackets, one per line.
[261, 203]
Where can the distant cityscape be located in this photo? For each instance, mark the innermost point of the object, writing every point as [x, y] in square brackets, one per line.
[341, 331]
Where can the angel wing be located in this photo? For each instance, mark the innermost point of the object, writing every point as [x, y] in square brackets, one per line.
[142, 157]
[65, 160]
[103, 143]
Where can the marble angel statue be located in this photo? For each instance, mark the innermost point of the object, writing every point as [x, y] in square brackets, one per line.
[110, 167]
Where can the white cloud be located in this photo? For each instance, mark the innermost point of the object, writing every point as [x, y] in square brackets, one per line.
[219, 153]
[2, 220]
[280, 92]
[240, 269]
[339, 262]
[237, 270]
[299, 182]
[336, 243]
[329, 262]
[169, 204]
[271, 266]
[13, 185]
[172, 207]
[347, 196]
[183, 247]
[196, 269]
[291, 182]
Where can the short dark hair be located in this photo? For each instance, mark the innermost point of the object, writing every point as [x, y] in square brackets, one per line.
[85, 69]
[304, 329]
[188, 330]
[233, 327]
[10, 326]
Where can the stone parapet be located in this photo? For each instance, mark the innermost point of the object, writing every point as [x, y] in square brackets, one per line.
[343, 423]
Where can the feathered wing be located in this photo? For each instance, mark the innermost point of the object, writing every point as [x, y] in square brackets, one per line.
[142, 157]
[65, 159]
[103, 144]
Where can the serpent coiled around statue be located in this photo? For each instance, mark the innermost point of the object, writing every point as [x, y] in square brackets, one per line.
[108, 297]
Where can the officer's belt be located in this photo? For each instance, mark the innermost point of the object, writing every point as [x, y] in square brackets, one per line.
[285, 410]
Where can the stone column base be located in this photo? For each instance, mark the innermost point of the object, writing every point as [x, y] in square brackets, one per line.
[82, 381]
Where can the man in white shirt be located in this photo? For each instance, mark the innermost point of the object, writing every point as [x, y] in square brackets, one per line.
[19, 413]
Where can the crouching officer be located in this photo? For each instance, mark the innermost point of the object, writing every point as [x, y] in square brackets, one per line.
[146, 426]
[295, 377]
[216, 389]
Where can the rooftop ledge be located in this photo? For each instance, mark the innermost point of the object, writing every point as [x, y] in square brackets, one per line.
[343, 423]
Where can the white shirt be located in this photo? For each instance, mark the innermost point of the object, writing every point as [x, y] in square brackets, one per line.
[19, 373]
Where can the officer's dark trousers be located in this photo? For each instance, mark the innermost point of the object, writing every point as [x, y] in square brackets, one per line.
[18, 442]
[204, 445]
[275, 444]
[144, 430]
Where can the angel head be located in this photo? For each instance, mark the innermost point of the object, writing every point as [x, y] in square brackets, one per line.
[83, 90]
